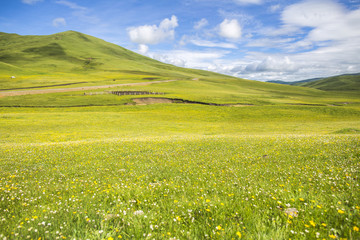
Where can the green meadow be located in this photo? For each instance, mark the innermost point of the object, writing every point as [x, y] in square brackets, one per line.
[228, 159]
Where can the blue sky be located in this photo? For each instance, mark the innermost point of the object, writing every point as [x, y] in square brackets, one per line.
[255, 39]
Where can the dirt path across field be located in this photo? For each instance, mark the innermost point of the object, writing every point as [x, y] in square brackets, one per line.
[42, 91]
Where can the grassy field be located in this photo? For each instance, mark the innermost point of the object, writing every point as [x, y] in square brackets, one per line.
[268, 161]
[249, 187]
[180, 171]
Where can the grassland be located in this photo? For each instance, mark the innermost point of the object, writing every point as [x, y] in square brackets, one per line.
[347, 82]
[180, 171]
[277, 162]
[183, 188]
[73, 57]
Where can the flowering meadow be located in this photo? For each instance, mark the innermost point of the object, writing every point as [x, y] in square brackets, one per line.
[200, 187]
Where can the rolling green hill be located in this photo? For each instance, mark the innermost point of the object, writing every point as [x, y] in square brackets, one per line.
[346, 82]
[73, 55]
[72, 59]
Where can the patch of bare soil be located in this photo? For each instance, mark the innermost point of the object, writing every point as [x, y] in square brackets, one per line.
[240, 105]
[154, 100]
[146, 101]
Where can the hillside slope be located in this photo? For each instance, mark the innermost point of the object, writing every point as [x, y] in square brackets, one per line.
[346, 82]
[75, 55]
[75, 60]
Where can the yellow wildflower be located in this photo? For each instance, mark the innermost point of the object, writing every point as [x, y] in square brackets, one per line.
[355, 228]
[312, 223]
[341, 211]
[238, 234]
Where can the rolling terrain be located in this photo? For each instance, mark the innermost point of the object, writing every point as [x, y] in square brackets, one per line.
[345, 82]
[98, 142]
[73, 56]
[75, 60]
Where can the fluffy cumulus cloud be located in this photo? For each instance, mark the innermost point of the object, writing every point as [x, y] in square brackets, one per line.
[59, 22]
[271, 64]
[230, 29]
[30, 1]
[143, 49]
[328, 19]
[152, 34]
[170, 60]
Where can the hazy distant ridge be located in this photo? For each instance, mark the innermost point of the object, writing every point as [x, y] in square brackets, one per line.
[344, 82]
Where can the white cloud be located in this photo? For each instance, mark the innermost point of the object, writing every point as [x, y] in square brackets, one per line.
[143, 49]
[59, 22]
[200, 24]
[348, 26]
[152, 34]
[205, 43]
[71, 5]
[30, 1]
[271, 64]
[81, 12]
[330, 22]
[169, 59]
[312, 13]
[269, 42]
[337, 58]
[274, 8]
[328, 19]
[187, 58]
[246, 2]
[230, 29]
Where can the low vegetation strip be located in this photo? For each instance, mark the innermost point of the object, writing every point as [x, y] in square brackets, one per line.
[44, 86]
[43, 91]
[154, 100]
[298, 187]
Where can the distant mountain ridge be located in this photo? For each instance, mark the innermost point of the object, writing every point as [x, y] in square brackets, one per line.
[344, 82]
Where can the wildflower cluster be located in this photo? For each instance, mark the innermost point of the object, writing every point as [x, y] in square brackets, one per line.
[300, 187]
